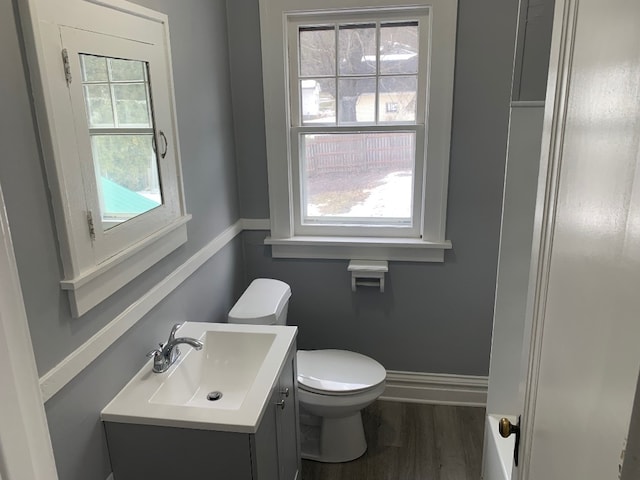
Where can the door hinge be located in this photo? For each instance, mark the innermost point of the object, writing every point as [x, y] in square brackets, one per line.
[67, 66]
[92, 230]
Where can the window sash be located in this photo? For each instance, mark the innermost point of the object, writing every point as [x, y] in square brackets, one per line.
[419, 15]
[358, 227]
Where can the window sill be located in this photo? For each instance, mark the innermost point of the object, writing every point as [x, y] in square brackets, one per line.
[369, 248]
[95, 285]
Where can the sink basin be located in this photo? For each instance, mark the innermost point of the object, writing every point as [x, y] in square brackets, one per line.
[225, 386]
[228, 365]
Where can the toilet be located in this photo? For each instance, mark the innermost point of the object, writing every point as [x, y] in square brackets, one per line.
[333, 385]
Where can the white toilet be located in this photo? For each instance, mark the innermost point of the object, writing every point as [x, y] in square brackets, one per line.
[333, 385]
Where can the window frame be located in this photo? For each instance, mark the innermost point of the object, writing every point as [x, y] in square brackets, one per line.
[97, 263]
[298, 127]
[288, 240]
[117, 239]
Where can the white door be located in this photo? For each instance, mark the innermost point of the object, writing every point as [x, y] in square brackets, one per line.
[25, 446]
[584, 358]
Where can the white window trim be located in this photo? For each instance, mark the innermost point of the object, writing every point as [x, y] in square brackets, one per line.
[88, 278]
[274, 18]
[388, 228]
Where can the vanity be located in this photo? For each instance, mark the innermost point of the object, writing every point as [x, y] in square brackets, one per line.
[228, 411]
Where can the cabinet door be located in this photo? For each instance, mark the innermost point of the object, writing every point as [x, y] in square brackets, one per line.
[287, 422]
[264, 448]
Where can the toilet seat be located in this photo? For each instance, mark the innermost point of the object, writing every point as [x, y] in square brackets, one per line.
[337, 372]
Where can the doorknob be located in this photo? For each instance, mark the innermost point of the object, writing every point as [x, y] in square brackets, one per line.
[506, 428]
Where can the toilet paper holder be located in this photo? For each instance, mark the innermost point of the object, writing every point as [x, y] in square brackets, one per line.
[368, 273]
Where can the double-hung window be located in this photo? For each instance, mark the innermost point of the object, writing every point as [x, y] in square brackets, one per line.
[358, 150]
[358, 124]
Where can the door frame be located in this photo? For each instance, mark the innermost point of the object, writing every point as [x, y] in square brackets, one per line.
[25, 445]
[558, 81]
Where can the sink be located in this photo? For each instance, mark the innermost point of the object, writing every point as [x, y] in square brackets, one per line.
[225, 386]
[227, 365]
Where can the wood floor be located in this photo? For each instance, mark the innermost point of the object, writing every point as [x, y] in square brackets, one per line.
[412, 442]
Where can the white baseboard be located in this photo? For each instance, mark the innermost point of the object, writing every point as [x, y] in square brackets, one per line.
[56, 378]
[436, 388]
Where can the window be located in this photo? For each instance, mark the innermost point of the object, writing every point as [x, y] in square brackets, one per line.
[122, 135]
[364, 166]
[110, 140]
[359, 166]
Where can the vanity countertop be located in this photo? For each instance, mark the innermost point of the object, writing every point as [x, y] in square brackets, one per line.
[242, 362]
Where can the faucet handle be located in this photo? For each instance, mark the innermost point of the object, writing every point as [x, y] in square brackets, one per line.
[155, 352]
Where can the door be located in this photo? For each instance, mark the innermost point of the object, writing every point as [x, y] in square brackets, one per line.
[584, 360]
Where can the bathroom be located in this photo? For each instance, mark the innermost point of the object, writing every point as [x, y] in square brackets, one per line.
[433, 318]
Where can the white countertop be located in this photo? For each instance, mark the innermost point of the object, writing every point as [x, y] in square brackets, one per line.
[135, 404]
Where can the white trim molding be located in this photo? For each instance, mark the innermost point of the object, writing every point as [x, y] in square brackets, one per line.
[348, 248]
[553, 133]
[279, 20]
[436, 388]
[56, 378]
[25, 445]
[99, 283]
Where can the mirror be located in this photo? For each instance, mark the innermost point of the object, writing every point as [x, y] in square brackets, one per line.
[120, 118]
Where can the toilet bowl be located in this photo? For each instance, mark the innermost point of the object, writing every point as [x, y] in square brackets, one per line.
[333, 385]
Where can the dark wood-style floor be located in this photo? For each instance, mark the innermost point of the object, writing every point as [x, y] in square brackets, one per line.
[412, 442]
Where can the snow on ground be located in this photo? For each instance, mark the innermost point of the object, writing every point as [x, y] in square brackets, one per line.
[392, 198]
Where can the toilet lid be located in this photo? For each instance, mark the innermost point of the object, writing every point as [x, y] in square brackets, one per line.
[338, 371]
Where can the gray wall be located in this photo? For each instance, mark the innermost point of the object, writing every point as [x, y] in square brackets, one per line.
[74, 413]
[433, 317]
[532, 51]
[243, 21]
[201, 74]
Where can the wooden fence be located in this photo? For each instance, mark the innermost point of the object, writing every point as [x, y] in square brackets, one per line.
[360, 152]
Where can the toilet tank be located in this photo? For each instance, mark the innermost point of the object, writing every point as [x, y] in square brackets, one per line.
[264, 302]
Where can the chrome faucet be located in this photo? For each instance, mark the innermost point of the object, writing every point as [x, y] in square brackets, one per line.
[169, 352]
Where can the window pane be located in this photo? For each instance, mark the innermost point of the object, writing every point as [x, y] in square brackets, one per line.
[318, 100]
[98, 101]
[317, 51]
[399, 47]
[357, 49]
[362, 177]
[397, 99]
[356, 100]
[132, 106]
[94, 69]
[126, 70]
[127, 175]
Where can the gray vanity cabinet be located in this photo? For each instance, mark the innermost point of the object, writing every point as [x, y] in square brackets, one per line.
[168, 453]
[279, 459]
